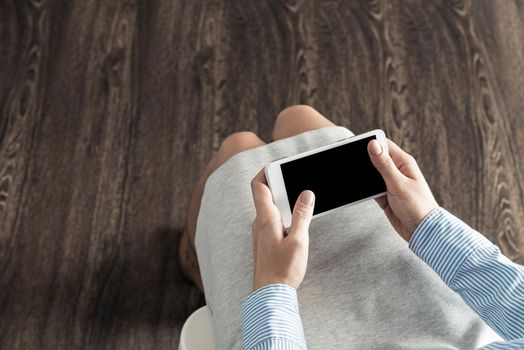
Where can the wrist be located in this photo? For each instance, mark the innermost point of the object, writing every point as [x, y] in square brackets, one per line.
[445, 242]
[419, 218]
[261, 283]
[272, 312]
[419, 227]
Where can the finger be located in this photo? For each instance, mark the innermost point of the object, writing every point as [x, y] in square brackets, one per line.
[383, 162]
[403, 160]
[302, 214]
[254, 228]
[382, 201]
[262, 195]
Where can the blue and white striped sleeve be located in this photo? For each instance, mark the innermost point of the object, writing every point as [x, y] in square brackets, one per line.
[271, 319]
[473, 267]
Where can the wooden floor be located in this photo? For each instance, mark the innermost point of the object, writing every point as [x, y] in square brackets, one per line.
[111, 109]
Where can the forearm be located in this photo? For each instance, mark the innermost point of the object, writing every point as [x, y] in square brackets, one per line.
[472, 266]
[513, 345]
[271, 319]
[488, 282]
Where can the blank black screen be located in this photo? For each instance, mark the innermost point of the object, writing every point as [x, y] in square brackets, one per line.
[338, 176]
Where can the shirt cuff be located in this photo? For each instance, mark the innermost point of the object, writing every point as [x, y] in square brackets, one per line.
[444, 242]
[271, 313]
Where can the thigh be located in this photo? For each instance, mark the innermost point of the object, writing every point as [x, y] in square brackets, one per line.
[233, 144]
[297, 119]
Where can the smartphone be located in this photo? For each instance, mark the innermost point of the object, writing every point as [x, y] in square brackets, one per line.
[340, 175]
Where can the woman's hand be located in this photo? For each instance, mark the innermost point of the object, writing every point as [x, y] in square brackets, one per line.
[279, 258]
[409, 198]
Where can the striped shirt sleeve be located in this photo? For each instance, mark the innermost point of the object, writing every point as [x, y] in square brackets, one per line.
[271, 319]
[473, 267]
[468, 263]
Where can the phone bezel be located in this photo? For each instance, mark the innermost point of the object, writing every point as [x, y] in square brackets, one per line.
[275, 179]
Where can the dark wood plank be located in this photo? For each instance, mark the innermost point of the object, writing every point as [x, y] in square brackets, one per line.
[110, 111]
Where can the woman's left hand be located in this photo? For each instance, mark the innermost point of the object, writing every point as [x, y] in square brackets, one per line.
[279, 258]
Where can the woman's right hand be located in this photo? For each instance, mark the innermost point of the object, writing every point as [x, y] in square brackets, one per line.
[408, 199]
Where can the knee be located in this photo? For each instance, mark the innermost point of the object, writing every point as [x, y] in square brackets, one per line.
[294, 112]
[238, 142]
[292, 115]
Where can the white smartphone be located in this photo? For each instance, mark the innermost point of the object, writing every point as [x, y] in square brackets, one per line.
[340, 175]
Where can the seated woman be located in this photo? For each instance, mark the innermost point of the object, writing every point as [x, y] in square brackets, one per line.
[364, 288]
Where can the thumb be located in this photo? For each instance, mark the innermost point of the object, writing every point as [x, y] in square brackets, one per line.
[302, 213]
[382, 161]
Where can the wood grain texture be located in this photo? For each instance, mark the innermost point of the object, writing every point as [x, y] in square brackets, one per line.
[109, 111]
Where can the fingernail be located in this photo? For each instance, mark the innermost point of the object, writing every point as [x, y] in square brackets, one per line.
[375, 148]
[307, 198]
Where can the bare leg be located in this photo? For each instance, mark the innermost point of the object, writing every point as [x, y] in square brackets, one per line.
[297, 119]
[231, 145]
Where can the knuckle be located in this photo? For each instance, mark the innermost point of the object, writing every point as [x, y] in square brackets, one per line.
[302, 213]
[411, 161]
[266, 223]
[387, 163]
[412, 165]
[296, 243]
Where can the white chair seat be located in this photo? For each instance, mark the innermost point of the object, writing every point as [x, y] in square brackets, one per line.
[197, 332]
